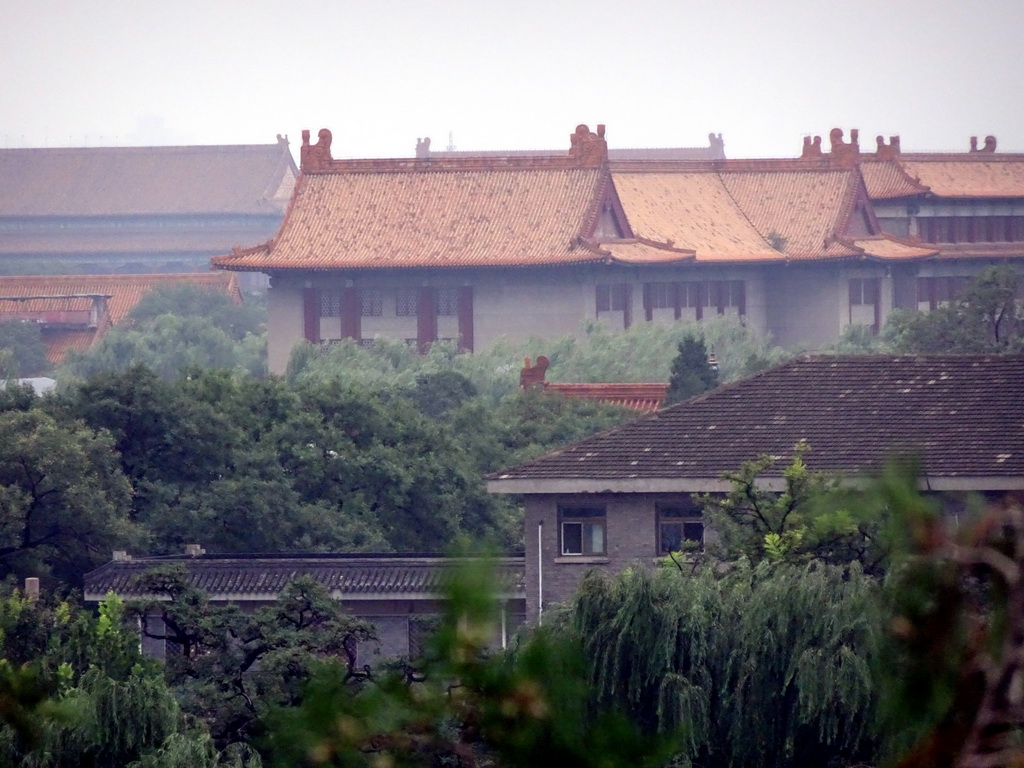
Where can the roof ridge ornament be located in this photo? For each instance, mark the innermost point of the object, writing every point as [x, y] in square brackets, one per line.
[812, 148]
[588, 149]
[315, 157]
[890, 151]
[988, 148]
[844, 154]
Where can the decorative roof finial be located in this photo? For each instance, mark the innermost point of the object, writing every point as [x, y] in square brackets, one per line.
[889, 151]
[812, 148]
[587, 148]
[315, 157]
[989, 148]
[843, 154]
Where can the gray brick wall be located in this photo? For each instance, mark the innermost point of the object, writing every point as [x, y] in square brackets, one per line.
[631, 538]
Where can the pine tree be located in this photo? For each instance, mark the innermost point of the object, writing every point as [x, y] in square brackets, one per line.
[692, 371]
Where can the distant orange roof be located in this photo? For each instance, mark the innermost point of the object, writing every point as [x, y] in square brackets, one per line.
[426, 218]
[691, 209]
[970, 175]
[55, 298]
[645, 397]
[808, 208]
[886, 246]
[887, 179]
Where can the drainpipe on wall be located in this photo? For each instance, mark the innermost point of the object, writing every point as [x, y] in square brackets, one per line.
[540, 574]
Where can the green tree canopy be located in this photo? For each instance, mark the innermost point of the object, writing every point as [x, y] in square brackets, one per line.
[64, 502]
[986, 317]
[22, 352]
[762, 666]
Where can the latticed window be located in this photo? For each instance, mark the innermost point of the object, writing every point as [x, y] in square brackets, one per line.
[447, 302]
[405, 302]
[330, 303]
[371, 302]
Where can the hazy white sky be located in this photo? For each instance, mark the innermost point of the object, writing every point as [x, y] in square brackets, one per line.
[517, 74]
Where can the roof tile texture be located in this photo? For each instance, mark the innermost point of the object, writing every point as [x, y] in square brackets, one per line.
[807, 208]
[120, 181]
[125, 291]
[968, 175]
[434, 219]
[221, 575]
[692, 210]
[645, 398]
[963, 415]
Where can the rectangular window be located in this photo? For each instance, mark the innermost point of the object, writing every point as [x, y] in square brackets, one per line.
[971, 229]
[935, 292]
[330, 303]
[581, 531]
[680, 529]
[405, 302]
[371, 302]
[447, 302]
[611, 298]
[864, 309]
[661, 296]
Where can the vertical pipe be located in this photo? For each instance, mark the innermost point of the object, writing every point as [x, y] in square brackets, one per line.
[540, 574]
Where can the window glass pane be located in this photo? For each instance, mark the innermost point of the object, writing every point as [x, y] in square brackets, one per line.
[671, 538]
[572, 538]
[693, 531]
[618, 298]
[595, 538]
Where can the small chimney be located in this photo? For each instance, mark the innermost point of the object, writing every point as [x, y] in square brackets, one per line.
[194, 550]
[32, 588]
[122, 556]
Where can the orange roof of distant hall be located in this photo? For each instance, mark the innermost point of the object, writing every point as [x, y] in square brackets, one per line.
[55, 296]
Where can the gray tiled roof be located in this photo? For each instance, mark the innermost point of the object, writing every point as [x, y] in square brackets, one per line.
[265, 576]
[139, 181]
[962, 414]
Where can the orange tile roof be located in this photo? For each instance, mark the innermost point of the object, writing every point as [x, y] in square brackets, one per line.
[808, 208]
[640, 252]
[886, 246]
[691, 209]
[971, 175]
[645, 398]
[124, 291]
[119, 181]
[419, 217]
[886, 179]
[59, 342]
